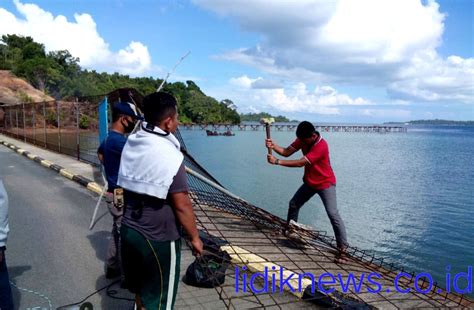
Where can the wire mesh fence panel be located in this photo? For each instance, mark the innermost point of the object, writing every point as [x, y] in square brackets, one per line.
[2, 118]
[53, 121]
[21, 122]
[10, 112]
[17, 122]
[68, 128]
[88, 117]
[39, 127]
[5, 119]
[29, 115]
[14, 129]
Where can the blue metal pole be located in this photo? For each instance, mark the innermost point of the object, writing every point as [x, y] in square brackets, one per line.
[103, 120]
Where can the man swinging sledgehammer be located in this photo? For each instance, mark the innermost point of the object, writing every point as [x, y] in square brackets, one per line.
[318, 179]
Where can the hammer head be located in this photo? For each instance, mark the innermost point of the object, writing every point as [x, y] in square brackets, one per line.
[267, 121]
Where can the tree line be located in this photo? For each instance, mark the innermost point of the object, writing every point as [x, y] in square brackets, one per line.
[255, 117]
[58, 74]
[434, 122]
[440, 122]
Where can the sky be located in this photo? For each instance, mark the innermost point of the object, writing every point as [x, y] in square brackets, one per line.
[364, 61]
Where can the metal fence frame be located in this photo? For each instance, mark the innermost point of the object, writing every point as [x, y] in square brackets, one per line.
[67, 127]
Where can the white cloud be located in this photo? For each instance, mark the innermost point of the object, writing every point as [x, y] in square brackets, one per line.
[249, 109]
[134, 58]
[242, 81]
[431, 78]
[258, 83]
[371, 31]
[393, 114]
[266, 84]
[389, 44]
[80, 37]
[297, 98]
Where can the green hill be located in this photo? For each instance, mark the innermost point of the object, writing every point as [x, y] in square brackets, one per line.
[255, 117]
[435, 122]
[59, 75]
[440, 122]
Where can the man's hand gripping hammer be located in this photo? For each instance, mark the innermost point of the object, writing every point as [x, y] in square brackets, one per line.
[267, 122]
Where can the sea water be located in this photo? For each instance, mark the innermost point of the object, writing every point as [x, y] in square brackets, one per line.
[405, 196]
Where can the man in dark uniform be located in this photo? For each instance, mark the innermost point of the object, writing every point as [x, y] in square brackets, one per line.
[124, 116]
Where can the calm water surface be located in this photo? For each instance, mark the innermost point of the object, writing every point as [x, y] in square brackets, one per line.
[406, 196]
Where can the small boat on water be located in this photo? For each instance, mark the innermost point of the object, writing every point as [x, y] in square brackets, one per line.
[211, 133]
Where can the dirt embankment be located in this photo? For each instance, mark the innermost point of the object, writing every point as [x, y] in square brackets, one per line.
[14, 90]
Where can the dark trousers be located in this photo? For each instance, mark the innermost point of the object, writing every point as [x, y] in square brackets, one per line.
[6, 302]
[113, 250]
[151, 268]
[328, 197]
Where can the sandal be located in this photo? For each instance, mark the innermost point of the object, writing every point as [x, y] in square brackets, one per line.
[342, 257]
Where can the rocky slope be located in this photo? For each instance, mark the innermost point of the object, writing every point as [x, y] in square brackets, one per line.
[14, 90]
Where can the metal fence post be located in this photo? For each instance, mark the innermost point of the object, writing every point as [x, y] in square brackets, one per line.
[44, 125]
[24, 121]
[4, 120]
[34, 121]
[78, 134]
[11, 122]
[5, 110]
[59, 126]
[17, 127]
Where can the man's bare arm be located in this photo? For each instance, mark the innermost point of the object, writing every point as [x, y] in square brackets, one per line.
[285, 152]
[288, 163]
[185, 214]
[293, 163]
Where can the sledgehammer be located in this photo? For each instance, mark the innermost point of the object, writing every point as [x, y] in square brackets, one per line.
[267, 122]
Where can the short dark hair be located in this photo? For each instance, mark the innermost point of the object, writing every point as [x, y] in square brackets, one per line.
[116, 116]
[159, 106]
[305, 130]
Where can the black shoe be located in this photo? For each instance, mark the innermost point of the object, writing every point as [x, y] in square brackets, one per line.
[112, 273]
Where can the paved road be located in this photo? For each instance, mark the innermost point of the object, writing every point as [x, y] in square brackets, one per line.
[50, 248]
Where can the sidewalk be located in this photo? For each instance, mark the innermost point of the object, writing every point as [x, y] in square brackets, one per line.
[71, 164]
[80, 172]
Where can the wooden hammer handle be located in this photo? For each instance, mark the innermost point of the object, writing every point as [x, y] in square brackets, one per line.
[267, 129]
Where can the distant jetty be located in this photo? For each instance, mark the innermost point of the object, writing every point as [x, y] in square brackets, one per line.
[292, 127]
